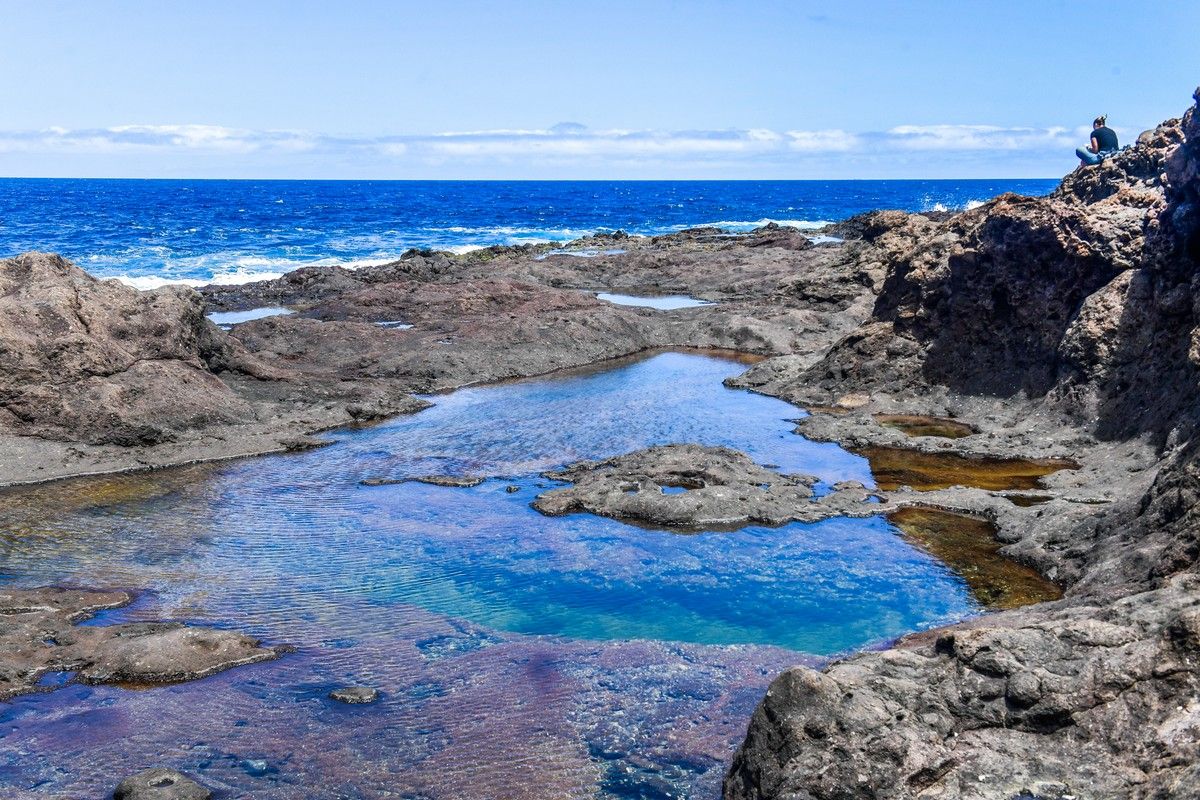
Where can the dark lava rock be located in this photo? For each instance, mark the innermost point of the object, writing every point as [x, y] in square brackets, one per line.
[355, 695]
[462, 481]
[38, 635]
[1082, 307]
[696, 487]
[382, 481]
[512, 489]
[160, 783]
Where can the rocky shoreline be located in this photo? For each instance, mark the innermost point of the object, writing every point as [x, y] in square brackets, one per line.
[1034, 362]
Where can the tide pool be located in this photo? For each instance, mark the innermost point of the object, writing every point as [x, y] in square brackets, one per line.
[490, 628]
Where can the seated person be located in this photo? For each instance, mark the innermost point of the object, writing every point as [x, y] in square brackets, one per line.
[1104, 143]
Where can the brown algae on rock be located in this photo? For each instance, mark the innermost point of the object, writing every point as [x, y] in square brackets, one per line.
[1027, 500]
[968, 545]
[894, 467]
[923, 425]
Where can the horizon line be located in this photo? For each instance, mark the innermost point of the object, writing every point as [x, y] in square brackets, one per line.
[512, 180]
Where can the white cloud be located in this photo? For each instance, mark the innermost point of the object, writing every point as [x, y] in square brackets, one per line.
[977, 137]
[835, 141]
[566, 149]
[134, 138]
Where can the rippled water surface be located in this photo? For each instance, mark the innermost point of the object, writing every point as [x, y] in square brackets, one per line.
[519, 655]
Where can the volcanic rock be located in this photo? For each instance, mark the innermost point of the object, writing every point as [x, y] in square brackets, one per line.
[160, 783]
[39, 635]
[355, 695]
[1071, 317]
[715, 488]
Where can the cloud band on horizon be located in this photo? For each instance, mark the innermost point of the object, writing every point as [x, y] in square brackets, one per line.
[561, 148]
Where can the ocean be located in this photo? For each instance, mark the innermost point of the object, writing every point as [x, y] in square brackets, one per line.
[151, 232]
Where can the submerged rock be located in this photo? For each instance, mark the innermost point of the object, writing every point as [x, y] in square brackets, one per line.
[355, 695]
[460, 481]
[160, 783]
[39, 635]
[696, 487]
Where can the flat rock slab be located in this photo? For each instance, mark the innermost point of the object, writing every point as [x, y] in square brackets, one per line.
[160, 784]
[696, 487]
[355, 695]
[38, 635]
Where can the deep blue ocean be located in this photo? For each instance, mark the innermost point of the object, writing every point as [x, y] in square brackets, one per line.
[200, 231]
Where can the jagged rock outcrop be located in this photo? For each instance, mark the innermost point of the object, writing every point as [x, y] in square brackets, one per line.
[1014, 297]
[1083, 304]
[96, 361]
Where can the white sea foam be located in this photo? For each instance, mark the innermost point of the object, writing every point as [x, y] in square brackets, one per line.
[967, 206]
[463, 249]
[232, 278]
[227, 270]
[588, 253]
[748, 225]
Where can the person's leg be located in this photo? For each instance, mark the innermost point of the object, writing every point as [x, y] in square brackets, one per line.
[1087, 156]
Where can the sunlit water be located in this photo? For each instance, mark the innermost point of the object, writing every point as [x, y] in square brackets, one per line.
[519, 655]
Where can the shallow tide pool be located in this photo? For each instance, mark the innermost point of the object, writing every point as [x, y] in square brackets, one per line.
[518, 655]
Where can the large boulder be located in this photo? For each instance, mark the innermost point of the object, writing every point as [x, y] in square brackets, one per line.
[95, 361]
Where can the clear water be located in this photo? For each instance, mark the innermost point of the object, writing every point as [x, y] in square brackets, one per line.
[231, 231]
[227, 318]
[519, 655]
[665, 303]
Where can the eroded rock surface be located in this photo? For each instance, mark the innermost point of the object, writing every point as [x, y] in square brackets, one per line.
[160, 783]
[355, 695]
[39, 635]
[99, 377]
[1048, 323]
[697, 487]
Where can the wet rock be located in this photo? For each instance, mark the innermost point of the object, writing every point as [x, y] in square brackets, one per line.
[462, 481]
[512, 489]
[39, 635]
[697, 487]
[355, 695]
[160, 783]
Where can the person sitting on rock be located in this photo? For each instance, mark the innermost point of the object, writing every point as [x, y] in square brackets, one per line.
[1104, 143]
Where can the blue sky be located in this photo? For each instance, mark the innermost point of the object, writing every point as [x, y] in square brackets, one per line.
[580, 89]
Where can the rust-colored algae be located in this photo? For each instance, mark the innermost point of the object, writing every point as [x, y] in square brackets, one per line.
[921, 425]
[968, 545]
[894, 467]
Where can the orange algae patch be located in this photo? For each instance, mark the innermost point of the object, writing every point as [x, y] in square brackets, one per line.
[968, 545]
[922, 425]
[894, 467]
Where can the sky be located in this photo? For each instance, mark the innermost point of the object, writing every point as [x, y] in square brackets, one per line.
[576, 89]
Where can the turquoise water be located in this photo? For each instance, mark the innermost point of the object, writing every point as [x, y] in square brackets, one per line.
[484, 622]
